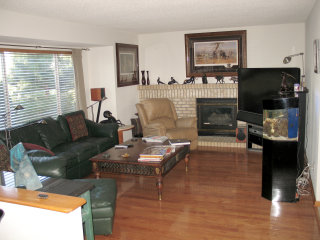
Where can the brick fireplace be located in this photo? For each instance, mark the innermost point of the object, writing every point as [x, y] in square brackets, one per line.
[184, 98]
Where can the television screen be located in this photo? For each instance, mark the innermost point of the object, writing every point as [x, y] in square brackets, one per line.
[257, 84]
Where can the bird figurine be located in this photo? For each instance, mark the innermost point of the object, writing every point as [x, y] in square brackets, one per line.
[189, 81]
[159, 82]
[220, 79]
[172, 81]
[204, 79]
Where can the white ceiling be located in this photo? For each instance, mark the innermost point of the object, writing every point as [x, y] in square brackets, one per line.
[149, 16]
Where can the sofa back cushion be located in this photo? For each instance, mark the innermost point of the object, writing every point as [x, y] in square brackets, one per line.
[26, 133]
[51, 133]
[77, 126]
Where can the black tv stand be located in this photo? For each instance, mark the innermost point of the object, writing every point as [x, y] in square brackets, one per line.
[255, 134]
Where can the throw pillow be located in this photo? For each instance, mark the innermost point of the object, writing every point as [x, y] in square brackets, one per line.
[4, 158]
[31, 146]
[77, 126]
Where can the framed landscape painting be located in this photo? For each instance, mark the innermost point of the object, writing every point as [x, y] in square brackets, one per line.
[127, 64]
[216, 53]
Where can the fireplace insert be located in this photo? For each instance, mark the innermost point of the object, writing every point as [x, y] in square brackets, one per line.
[217, 116]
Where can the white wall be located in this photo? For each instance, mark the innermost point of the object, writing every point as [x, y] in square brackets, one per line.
[313, 84]
[163, 54]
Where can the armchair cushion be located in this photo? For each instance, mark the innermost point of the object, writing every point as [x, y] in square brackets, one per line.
[187, 122]
[153, 129]
[168, 123]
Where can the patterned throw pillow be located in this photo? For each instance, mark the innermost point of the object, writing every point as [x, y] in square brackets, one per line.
[77, 126]
[4, 159]
[31, 146]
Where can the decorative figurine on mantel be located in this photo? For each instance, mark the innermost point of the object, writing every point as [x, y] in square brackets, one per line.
[189, 81]
[148, 80]
[220, 79]
[143, 79]
[159, 82]
[204, 79]
[172, 81]
[234, 79]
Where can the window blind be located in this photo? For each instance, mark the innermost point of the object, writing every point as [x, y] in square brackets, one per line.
[42, 82]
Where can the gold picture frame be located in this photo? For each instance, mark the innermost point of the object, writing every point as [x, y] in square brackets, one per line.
[215, 53]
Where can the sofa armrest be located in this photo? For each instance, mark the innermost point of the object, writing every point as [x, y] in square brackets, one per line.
[51, 166]
[154, 129]
[102, 130]
[187, 122]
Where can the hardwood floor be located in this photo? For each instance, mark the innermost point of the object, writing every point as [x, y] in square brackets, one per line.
[219, 198]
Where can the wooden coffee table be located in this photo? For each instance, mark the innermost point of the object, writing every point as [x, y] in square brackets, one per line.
[111, 161]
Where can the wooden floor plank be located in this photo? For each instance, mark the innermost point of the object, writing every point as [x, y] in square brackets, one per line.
[219, 198]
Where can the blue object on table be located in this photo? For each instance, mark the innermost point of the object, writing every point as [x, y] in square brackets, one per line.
[23, 168]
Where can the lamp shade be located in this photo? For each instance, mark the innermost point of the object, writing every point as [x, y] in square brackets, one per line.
[97, 94]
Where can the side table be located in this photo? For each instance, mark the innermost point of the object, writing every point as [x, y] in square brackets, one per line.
[123, 129]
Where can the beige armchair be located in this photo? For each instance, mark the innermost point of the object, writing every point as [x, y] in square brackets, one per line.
[158, 117]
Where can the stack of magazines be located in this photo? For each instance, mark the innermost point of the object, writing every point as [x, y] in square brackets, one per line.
[155, 153]
[155, 139]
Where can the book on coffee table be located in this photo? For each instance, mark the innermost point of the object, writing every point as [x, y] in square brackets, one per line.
[178, 142]
[155, 139]
[150, 159]
[155, 153]
[121, 146]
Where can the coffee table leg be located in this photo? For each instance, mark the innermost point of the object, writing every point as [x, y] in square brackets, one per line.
[96, 170]
[159, 186]
[186, 160]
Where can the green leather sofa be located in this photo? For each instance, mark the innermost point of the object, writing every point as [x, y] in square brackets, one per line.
[71, 158]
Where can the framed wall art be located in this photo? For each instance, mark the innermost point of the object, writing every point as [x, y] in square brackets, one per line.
[127, 64]
[215, 53]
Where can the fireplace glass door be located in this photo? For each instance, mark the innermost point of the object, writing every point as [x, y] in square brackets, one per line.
[216, 116]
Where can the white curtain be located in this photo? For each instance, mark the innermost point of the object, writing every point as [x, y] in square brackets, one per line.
[80, 88]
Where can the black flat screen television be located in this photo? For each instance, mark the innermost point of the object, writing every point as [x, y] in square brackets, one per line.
[257, 84]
